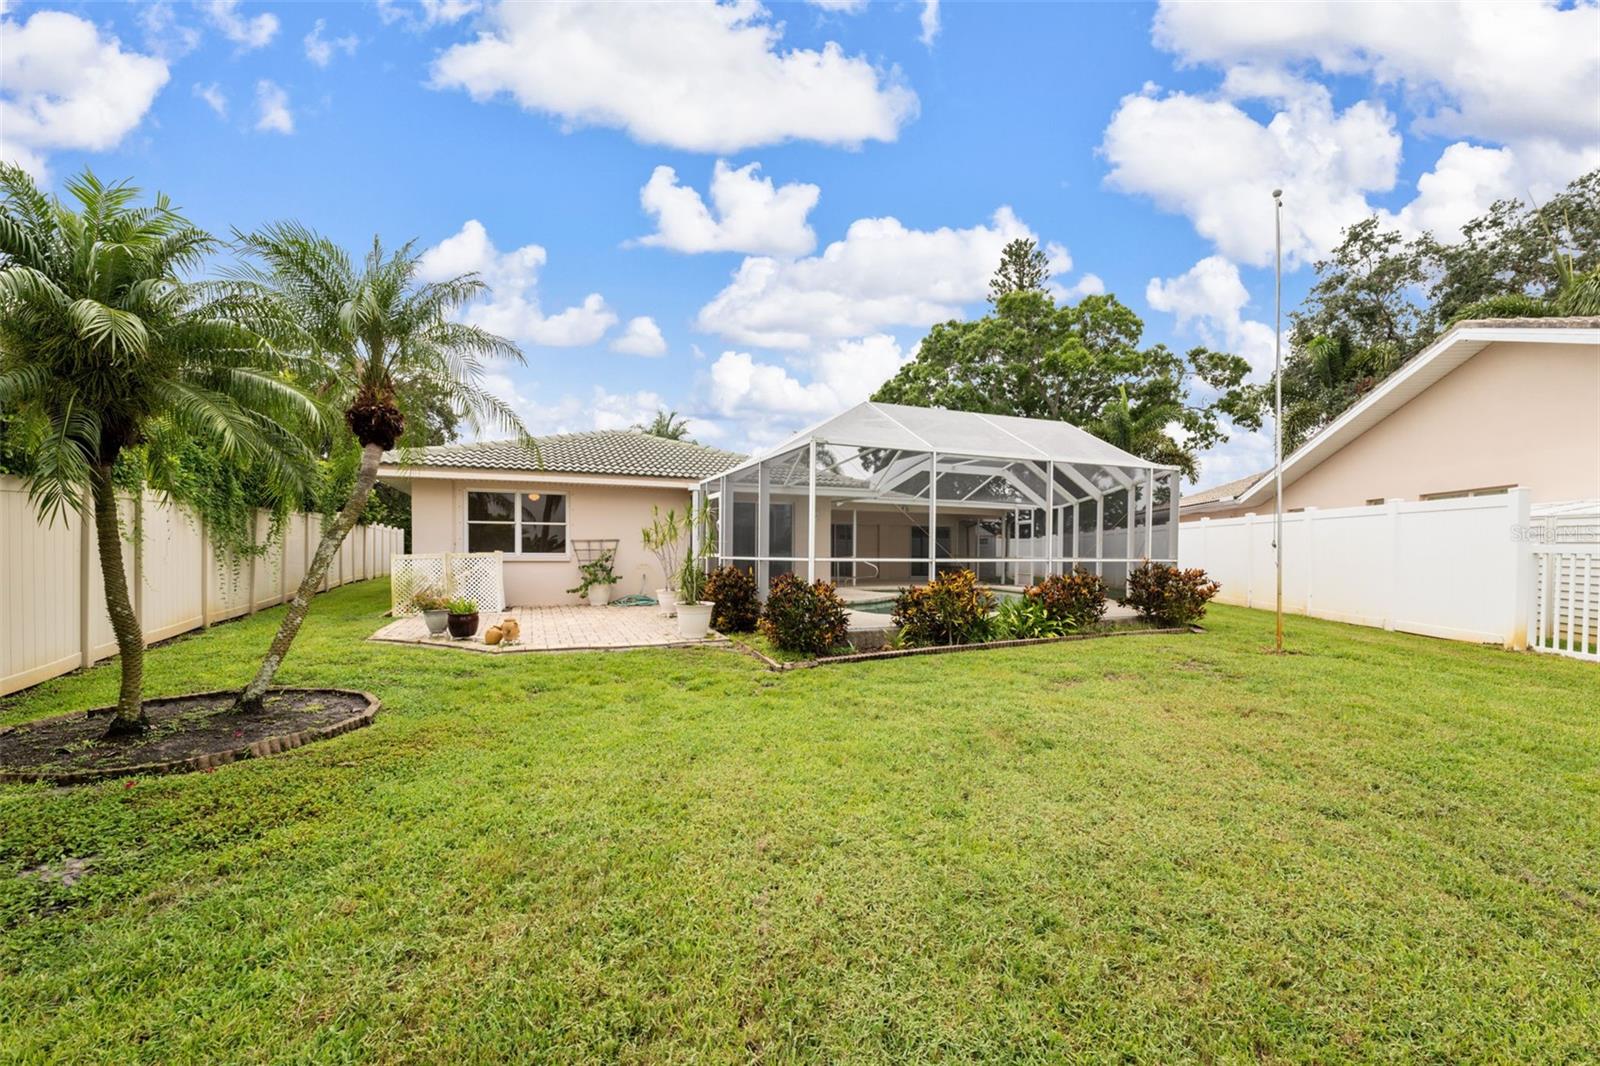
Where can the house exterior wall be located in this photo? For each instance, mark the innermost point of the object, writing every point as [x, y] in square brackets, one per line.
[1514, 414]
[439, 524]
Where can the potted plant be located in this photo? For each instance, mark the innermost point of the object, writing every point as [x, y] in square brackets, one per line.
[463, 618]
[694, 610]
[434, 607]
[598, 577]
[662, 537]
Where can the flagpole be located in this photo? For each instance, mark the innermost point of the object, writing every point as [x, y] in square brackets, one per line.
[1277, 378]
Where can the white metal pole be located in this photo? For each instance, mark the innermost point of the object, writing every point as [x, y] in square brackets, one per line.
[1277, 382]
[811, 511]
[933, 515]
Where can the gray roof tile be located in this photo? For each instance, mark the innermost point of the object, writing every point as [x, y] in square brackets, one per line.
[620, 452]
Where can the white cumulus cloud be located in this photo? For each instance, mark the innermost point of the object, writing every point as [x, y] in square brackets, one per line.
[641, 336]
[1507, 71]
[214, 97]
[248, 32]
[427, 13]
[63, 85]
[321, 50]
[700, 76]
[768, 401]
[929, 20]
[880, 275]
[272, 108]
[512, 308]
[1210, 298]
[1207, 158]
[747, 213]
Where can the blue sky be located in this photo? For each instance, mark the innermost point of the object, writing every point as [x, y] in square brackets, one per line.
[903, 143]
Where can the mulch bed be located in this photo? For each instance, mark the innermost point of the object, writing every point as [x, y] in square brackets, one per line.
[193, 732]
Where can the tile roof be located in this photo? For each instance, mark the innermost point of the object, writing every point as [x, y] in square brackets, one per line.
[1225, 491]
[622, 452]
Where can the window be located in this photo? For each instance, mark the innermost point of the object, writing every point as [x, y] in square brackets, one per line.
[521, 523]
[1375, 501]
[1461, 494]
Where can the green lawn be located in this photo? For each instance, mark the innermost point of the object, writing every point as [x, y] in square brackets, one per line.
[1161, 848]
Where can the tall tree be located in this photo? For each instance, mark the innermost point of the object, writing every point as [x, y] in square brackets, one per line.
[1033, 358]
[106, 347]
[1023, 268]
[376, 333]
[666, 424]
[1380, 298]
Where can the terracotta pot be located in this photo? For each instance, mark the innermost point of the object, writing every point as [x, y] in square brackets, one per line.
[436, 621]
[463, 626]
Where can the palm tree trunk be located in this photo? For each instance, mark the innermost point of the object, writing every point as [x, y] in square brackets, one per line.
[129, 718]
[332, 537]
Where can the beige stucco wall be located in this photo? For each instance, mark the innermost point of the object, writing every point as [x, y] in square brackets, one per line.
[438, 524]
[1514, 414]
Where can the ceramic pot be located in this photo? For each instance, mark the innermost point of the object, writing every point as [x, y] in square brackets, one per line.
[666, 602]
[599, 595]
[463, 626]
[694, 619]
[435, 621]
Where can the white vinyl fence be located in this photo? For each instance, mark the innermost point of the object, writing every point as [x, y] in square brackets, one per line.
[1462, 569]
[52, 600]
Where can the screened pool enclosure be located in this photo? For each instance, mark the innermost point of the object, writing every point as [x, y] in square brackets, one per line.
[883, 495]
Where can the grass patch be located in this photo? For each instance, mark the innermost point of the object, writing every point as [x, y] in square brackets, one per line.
[1170, 848]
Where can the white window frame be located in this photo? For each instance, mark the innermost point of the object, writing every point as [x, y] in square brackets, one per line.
[565, 555]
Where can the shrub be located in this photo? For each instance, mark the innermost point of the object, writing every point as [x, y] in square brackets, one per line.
[429, 598]
[1169, 596]
[1027, 619]
[809, 619]
[951, 609]
[734, 593]
[1078, 598]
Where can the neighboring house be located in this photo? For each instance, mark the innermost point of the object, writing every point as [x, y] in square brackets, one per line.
[1491, 405]
[535, 504]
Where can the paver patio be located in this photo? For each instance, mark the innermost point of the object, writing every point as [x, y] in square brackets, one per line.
[577, 628]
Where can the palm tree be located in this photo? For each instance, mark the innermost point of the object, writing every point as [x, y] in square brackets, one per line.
[666, 424]
[105, 348]
[1143, 432]
[377, 332]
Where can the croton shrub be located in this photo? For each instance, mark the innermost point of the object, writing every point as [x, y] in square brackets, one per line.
[951, 609]
[1078, 598]
[733, 591]
[809, 619]
[1167, 595]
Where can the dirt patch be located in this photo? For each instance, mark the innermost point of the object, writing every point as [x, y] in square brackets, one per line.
[194, 732]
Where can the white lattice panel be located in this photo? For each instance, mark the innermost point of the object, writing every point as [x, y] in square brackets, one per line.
[476, 576]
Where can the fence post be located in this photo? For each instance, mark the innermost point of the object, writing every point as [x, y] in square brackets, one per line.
[1250, 559]
[205, 577]
[255, 558]
[1310, 557]
[85, 578]
[1519, 505]
[1393, 508]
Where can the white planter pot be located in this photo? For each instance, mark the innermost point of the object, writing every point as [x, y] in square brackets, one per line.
[599, 595]
[435, 621]
[666, 602]
[694, 620]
